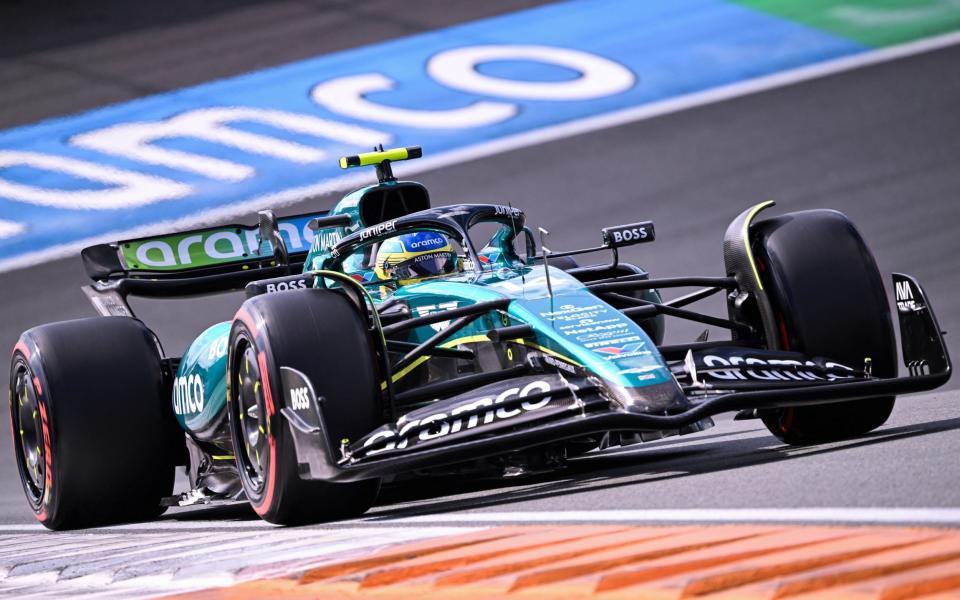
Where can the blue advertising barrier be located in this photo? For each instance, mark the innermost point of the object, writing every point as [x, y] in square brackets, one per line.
[224, 148]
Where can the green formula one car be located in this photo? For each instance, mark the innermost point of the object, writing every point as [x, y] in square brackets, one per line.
[380, 339]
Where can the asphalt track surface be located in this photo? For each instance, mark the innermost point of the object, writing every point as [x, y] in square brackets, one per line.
[879, 143]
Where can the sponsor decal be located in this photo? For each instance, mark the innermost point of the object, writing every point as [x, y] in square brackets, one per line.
[210, 247]
[364, 277]
[378, 229]
[610, 344]
[635, 348]
[428, 309]
[463, 417]
[430, 256]
[424, 240]
[556, 363]
[188, 394]
[326, 240]
[509, 211]
[299, 398]
[598, 328]
[572, 312]
[618, 350]
[217, 349]
[627, 235]
[283, 286]
[905, 299]
[746, 368]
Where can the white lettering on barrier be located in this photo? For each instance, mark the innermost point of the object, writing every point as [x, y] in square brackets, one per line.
[599, 77]
[346, 96]
[10, 228]
[129, 189]
[454, 68]
[133, 140]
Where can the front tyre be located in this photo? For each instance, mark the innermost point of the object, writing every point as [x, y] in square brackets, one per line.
[828, 295]
[321, 334]
[95, 439]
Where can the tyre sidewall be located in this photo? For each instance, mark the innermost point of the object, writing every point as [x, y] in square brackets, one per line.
[298, 329]
[107, 420]
[829, 299]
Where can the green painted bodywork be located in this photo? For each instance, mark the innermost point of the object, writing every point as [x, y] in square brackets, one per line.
[573, 324]
[206, 359]
[350, 206]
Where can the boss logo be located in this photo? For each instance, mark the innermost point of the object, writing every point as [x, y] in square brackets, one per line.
[626, 235]
[282, 286]
[299, 398]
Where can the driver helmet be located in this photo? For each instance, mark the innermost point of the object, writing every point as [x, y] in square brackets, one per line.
[417, 256]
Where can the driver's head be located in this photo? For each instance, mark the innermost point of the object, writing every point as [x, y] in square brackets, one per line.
[413, 257]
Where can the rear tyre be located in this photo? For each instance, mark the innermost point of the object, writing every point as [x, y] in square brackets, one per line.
[95, 438]
[321, 334]
[828, 294]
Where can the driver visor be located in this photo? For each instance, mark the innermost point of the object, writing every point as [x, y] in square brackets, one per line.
[425, 265]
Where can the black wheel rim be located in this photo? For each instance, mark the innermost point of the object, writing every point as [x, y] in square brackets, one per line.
[251, 416]
[28, 429]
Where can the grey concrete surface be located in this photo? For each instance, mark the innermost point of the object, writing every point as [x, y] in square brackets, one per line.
[880, 144]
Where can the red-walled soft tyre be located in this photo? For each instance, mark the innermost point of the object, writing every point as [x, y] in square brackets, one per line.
[321, 334]
[94, 435]
[828, 294]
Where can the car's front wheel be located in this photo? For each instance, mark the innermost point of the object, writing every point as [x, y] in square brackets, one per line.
[322, 335]
[829, 300]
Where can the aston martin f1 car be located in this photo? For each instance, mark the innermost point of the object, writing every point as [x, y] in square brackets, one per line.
[389, 338]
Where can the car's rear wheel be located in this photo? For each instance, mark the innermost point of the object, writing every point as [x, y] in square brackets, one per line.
[829, 301]
[95, 439]
[321, 334]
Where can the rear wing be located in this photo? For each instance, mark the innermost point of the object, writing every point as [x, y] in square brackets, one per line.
[200, 252]
[191, 263]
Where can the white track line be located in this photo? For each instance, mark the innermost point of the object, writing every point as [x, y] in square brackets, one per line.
[506, 144]
[867, 515]
[925, 516]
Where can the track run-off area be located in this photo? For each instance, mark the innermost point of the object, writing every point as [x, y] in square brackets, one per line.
[706, 108]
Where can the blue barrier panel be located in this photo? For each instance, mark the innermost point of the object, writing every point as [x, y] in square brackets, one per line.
[222, 148]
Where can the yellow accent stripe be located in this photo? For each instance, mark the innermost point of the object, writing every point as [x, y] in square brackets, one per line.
[746, 237]
[472, 339]
[222, 457]
[547, 351]
[448, 344]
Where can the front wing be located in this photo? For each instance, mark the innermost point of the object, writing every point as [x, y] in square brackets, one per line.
[539, 409]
